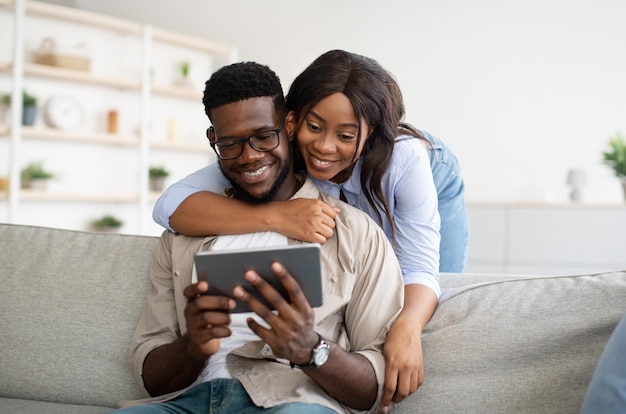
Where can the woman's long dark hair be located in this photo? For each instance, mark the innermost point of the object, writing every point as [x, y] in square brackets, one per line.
[375, 98]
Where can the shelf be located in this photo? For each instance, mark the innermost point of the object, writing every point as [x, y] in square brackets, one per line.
[84, 17]
[102, 138]
[70, 75]
[154, 195]
[34, 195]
[119, 25]
[181, 146]
[106, 139]
[95, 138]
[177, 92]
[57, 135]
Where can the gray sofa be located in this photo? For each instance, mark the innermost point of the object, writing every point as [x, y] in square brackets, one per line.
[497, 344]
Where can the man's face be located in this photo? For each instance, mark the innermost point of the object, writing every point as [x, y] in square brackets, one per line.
[257, 177]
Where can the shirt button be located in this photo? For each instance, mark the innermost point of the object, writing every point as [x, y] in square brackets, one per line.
[334, 279]
[177, 273]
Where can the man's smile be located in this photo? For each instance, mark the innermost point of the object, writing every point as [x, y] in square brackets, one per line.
[255, 173]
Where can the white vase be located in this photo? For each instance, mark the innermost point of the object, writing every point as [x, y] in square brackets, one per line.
[38, 184]
[157, 183]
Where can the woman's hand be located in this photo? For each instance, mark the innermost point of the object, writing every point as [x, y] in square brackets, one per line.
[404, 366]
[306, 219]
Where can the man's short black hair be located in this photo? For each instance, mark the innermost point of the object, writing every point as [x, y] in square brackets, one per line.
[241, 81]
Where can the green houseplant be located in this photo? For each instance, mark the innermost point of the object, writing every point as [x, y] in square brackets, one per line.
[183, 73]
[184, 69]
[157, 178]
[615, 157]
[35, 176]
[107, 223]
[29, 103]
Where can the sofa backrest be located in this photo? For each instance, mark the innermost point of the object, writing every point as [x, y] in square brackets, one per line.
[516, 344]
[69, 303]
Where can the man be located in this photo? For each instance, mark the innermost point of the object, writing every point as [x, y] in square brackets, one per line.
[189, 351]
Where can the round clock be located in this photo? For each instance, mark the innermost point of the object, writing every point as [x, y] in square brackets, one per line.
[63, 112]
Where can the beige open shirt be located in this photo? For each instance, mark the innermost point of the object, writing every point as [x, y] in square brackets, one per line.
[362, 293]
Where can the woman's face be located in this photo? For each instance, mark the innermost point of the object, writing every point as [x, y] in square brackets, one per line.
[327, 138]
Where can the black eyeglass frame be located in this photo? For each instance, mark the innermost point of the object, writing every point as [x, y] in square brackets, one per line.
[242, 141]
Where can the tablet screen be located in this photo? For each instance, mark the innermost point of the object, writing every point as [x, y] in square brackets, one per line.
[224, 269]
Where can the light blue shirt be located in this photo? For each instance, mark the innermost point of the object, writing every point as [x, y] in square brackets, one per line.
[408, 187]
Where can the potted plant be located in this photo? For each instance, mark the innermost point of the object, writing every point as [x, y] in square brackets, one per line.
[615, 157]
[157, 178]
[35, 177]
[107, 224]
[29, 107]
[183, 68]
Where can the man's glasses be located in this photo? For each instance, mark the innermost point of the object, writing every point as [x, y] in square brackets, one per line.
[229, 149]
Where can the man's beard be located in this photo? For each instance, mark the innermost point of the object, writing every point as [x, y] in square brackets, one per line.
[240, 193]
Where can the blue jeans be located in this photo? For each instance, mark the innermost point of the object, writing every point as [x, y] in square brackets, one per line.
[220, 396]
[452, 210]
[607, 390]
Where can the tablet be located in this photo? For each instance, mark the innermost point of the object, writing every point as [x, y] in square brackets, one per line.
[224, 269]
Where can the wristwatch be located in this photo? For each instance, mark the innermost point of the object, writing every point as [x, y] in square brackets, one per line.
[319, 356]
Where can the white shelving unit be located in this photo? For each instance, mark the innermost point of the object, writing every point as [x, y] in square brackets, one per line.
[139, 83]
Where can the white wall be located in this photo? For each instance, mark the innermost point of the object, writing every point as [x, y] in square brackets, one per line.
[522, 90]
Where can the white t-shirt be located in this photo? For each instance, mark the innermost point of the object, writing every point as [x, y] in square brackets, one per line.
[241, 334]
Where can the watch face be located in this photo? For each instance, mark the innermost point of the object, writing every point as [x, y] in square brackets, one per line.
[321, 355]
[63, 113]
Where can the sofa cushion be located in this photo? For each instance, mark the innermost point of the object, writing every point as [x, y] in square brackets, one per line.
[69, 304]
[517, 344]
[14, 406]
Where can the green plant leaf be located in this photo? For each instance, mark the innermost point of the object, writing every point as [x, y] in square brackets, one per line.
[34, 171]
[27, 99]
[107, 221]
[155, 172]
[184, 68]
[615, 156]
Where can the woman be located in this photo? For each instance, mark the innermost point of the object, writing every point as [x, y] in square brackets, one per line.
[344, 111]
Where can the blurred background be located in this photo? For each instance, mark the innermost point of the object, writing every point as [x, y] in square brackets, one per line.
[523, 92]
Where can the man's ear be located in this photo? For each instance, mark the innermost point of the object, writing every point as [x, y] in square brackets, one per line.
[290, 125]
[210, 134]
